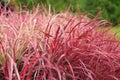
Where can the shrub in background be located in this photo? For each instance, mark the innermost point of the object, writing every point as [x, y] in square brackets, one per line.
[110, 9]
[41, 46]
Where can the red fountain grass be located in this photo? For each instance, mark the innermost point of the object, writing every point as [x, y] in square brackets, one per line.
[40, 46]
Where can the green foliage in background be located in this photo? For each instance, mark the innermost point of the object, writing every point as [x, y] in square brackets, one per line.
[61, 5]
[27, 4]
[57, 5]
[110, 9]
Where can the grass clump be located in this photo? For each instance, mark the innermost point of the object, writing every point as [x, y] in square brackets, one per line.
[41, 46]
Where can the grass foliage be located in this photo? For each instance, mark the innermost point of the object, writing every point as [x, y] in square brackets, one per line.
[42, 46]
